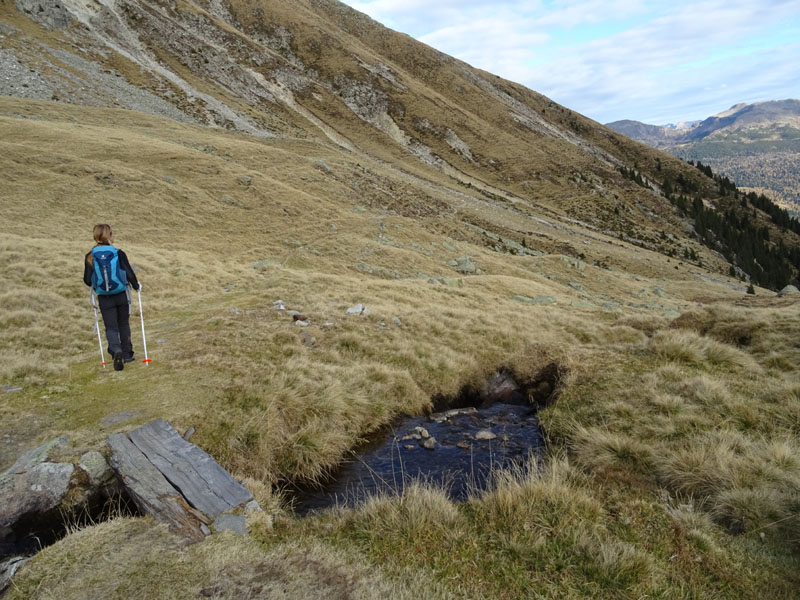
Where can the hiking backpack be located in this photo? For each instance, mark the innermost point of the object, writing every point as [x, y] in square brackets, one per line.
[108, 277]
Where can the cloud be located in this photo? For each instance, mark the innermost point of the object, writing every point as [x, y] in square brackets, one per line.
[649, 60]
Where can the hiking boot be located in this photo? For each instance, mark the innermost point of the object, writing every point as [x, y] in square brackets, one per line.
[128, 359]
[118, 362]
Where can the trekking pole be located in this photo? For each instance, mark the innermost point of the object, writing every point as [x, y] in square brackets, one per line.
[146, 360]
[92, 297]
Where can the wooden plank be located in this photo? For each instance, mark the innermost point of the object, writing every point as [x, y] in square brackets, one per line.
[151, 492]
[195, 474]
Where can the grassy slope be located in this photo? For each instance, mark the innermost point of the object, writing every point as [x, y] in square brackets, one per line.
[667, 436]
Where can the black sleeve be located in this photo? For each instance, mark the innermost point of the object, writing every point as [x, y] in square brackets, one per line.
[123, 262]
[87, 270]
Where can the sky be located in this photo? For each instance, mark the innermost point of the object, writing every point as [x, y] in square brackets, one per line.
[655, 61]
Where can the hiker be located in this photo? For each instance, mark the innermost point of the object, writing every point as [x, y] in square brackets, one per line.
[108, 272]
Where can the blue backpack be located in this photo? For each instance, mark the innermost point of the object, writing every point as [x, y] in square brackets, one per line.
[108, 277]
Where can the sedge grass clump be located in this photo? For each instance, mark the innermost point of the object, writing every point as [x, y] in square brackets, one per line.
[743, 482]
[419, 511]
[689, 348]
[604, 450]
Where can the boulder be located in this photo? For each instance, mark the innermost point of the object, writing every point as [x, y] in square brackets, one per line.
[53, 15]
[358, 309]
[788, 291]
[32, 487]
[36, 491]
[464, 264]
[501, 387]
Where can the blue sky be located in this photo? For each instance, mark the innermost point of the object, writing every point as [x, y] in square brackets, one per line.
[654, 61]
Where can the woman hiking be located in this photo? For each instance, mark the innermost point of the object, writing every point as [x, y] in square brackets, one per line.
[107, 271]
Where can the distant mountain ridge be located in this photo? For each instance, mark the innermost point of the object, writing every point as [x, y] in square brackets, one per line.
[741, 116]
[756, 145]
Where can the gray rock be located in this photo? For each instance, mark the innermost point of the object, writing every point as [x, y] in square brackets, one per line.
[429, 444]
[537, 300]
[573, 263]
[444, 416]
[252, 507]
[450, 245]
[151, 492]
[464, 264]
[358, 309]
[244, 180]
[200, 479]
[34, 492]
[8, 568]
[170, 179]
[120, 417]
[96, 467]
[582, 304]
[234, 523]
[485, 434]
[53, 15]
[10, 388]
[788, 290]
[231, 201]
[500, 388]
[34, 457]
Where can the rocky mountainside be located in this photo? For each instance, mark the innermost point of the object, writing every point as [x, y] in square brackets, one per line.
[756, 145]
[317, 70]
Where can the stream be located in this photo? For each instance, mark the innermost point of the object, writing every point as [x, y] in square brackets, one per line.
[457, 449]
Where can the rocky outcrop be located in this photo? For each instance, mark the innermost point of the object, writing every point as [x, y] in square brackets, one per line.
[51, 14]
[32, 489]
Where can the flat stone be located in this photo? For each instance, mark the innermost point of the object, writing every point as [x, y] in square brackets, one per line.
[151, 492]
[234, 523]
[118, 418]
[582, 304]
[200, 479]
[485, 434]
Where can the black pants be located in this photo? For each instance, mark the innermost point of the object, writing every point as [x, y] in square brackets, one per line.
[116, 317]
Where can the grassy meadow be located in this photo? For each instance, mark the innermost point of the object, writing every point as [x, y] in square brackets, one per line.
[673, 462]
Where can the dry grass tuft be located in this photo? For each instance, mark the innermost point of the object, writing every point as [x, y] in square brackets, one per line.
[695, 350]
